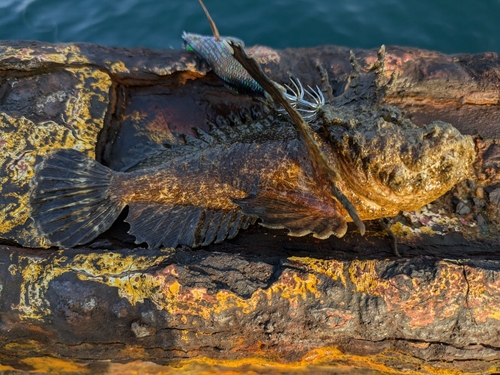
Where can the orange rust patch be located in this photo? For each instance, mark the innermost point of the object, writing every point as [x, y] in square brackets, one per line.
[23, 348]
[337, 319]
[6, 368]
[133, 352]
[423, 303]
[483, 297]
[322, 360]
[55, 365]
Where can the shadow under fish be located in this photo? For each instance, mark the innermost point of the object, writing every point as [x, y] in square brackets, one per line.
[205, 189]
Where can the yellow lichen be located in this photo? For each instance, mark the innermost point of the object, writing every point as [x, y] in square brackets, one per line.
[132, 276]
[403, 231]
[23, 348]
[38, 272]
[60, 54]
[118, 67]
[6, 368]
[93, 87]
[320, 360]
[167, 294]
[423, 303]
[22, 143]
[423, 220]
[126, 273]
[364, 276]
[334, 269]
[444, 294]
[483, 299]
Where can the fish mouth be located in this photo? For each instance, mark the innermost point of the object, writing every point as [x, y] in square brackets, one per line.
[186, 42]
[397, 169]
[190, 41]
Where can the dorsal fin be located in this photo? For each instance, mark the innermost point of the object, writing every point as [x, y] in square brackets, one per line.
[141, 151]
[322, 169]
[365, 86]
[204, 136]
[260, 130]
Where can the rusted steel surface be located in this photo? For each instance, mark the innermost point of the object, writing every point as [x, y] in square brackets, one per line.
[263, 297]
[170, 306]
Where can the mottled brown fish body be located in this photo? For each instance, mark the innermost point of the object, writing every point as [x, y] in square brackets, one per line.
[191, 194]
[175, 190]
[203, 190]
[212, 179]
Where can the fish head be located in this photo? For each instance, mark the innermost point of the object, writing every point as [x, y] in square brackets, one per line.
[206, 45]
[218, 54]
[389, 162]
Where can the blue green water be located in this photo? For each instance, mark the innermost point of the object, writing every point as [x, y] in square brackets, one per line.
[444, 25]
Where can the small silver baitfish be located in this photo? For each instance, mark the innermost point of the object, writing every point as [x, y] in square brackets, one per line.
[218, 53]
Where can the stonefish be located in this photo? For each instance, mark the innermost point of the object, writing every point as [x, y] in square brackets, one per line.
[200, 190]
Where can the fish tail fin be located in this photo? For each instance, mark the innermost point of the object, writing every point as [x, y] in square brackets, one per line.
[71, 201]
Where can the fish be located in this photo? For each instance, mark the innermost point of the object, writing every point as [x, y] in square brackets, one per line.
[205, 189]
[217, 52]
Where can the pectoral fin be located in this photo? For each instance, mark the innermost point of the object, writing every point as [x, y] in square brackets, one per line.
[300, 217]
[323, 170]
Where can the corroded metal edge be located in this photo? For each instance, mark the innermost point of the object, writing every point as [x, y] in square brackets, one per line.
[167, 305]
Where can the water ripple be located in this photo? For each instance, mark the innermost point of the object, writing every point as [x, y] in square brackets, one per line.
[437, 24]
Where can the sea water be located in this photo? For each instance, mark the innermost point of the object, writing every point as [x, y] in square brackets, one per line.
[447, 26]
